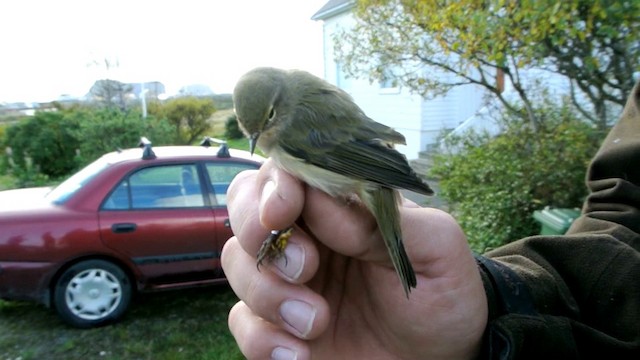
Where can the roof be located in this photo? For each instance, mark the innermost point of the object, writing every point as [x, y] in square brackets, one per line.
[177, 152]
[333, 8]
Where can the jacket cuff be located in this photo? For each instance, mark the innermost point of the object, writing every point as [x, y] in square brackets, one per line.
[505, 289]
[506, 294]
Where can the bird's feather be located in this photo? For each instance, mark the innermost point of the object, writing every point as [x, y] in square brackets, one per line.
[350, 144]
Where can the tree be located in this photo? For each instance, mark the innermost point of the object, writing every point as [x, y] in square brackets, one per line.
[111, 93]
[188, 115]
[593, 43]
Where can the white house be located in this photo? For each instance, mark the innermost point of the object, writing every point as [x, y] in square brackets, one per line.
[420, 121]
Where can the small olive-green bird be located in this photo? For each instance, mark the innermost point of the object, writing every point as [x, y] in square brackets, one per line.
[315, 132]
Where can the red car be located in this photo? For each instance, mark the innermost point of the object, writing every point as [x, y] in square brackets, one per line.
[141, 219]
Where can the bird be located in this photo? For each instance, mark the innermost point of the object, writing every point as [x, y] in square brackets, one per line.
[316, 132]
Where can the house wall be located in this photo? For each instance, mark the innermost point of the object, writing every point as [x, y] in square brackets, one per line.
[395, 107]
[447, 112]
[420, 121]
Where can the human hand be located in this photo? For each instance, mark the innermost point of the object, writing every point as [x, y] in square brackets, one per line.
[336, 294]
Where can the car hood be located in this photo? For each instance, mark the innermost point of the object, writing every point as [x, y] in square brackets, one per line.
[20, 199]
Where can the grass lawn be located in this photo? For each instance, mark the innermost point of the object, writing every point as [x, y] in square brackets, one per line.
[184, 324]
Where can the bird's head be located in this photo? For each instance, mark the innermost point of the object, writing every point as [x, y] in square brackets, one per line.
[255, 100]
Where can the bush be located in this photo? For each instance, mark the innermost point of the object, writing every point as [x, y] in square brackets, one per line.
[495, 183]
[105, 130]
[232, 129]
[52, 145]
[188, 115]
[45, 144]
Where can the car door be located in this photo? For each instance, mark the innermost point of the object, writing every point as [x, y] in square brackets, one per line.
[159, 218]
[218, 176]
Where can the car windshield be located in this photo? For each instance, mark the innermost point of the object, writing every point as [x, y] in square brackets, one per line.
[66, 189]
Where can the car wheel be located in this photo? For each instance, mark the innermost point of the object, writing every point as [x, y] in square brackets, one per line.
[92, 293]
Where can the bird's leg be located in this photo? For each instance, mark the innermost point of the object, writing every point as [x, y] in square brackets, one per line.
[273, 247]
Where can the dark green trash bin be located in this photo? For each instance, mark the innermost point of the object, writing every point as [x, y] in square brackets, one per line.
[555, 221]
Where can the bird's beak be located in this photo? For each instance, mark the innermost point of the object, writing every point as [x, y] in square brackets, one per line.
[253, 140]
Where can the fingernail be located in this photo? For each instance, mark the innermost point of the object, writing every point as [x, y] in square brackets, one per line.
[281, 353]
[299, 315]
[290, 265]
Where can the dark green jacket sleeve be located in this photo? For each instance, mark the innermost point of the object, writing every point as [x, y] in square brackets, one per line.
[584, 287]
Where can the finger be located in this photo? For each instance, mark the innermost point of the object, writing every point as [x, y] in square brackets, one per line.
[242, 205]
[346, 227]
[353, 231]
[282, 197]
[259, 339]
[258, 202]
[292, 307]
[298, 264]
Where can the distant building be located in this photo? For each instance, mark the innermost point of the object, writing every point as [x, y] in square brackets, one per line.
[17, 110]
[195, 90]
[153, 89]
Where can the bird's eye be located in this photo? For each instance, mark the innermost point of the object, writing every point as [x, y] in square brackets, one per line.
[272, 114]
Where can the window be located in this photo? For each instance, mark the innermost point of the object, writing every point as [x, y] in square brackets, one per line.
[221, 174]
[389, 83]
[70, 186]
[170, 186]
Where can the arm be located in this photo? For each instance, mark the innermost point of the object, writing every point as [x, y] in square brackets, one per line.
[584, 286]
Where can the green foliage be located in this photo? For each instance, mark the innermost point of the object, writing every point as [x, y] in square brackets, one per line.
[188, 115]
[52, 145]
[103, 130]
[45, 144]
[232, 129]
[593, 43]
[3, 129]
[495, 183]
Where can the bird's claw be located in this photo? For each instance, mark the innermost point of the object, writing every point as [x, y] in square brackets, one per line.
[273, 246]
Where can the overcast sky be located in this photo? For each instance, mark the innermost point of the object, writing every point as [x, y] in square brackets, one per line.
[55, 47]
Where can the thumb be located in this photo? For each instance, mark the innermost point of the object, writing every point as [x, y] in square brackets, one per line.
[281, 197]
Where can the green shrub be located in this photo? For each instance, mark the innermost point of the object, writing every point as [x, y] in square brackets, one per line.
[44, 144]
[232, 129]
[188, 115]
[105, 130]
[495, 183]
[52, 145]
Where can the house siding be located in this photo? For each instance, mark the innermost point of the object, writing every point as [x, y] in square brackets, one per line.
[396, 108]
[420, 121]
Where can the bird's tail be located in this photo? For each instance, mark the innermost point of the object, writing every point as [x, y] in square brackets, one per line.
[384, 206]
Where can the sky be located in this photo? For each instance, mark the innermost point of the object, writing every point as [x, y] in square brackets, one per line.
[59, 47]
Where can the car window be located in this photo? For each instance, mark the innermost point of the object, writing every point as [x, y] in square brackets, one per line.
[167, 186]
[67, 188]
[221, 174]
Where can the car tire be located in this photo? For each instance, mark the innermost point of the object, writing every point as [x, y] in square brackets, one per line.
[92, 293]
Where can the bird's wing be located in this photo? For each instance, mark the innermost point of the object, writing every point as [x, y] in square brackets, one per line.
[353, 147]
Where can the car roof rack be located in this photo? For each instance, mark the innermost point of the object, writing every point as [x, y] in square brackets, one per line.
[147, 153]
[223, 151]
